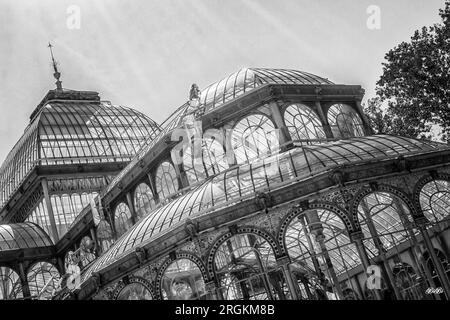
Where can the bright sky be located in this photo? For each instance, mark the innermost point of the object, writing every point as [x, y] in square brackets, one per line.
[145, 54]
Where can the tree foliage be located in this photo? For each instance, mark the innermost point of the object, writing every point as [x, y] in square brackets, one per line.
[413, 93]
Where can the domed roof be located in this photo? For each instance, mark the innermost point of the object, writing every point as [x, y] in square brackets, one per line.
[248, 79]
[63, 131]
[22, 236]
[220, 92]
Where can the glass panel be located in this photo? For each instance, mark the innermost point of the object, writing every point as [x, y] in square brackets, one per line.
[254, 137]
[166, 180]
[210, 162]
[182, 280]
[303, 124]
[245, 268]
[321, 252]
[143, 200]
[344, 121]
[43, 280]
[10, 286]
[122, 218]
[435, 200]
[22, 235]
[388, 216]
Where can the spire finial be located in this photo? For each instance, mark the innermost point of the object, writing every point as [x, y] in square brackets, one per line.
[56, 74]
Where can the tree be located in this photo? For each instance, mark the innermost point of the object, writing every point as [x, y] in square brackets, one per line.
[415, 84]
[385, 121]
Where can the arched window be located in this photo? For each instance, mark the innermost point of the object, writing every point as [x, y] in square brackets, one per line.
[385, 217]
[210, 162]
[10, 286]
[182, 280]
[435, 200]
[122, 218]
[246, 268]
[320, 249]
[254, 137]
[344, 121]
[303, 123]
[143, 200]
[43, 280]
[137, 289]
[166, 180]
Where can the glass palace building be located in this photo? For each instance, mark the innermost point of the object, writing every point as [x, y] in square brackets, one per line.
[269, 184]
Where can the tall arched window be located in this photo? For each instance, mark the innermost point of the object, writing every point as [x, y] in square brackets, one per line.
[166, 180]
[254, 137]
[385, 217]
[435, 200]
[10, 285]
[322, 255]
[143, 200]
[344, 121]
[210, 162]
[122, 218]
[303, 123]
[182, 280]
[43, 280]
[245, 268]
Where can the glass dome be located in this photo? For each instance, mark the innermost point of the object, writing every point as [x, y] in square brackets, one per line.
[248, 79]
[216, 94]
[75, 132]
[22, 236]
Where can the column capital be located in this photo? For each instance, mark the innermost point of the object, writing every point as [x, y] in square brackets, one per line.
[284, 260]
[421, 221]
[357, 236]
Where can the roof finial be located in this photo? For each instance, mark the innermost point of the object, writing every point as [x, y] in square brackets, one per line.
[56, 74]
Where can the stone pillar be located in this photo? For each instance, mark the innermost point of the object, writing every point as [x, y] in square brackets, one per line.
[130, 203]
[324, 120]
[284, 264]
[152, 186]
[51, 217]
[181, 175]
[367, 128]
[284, 136]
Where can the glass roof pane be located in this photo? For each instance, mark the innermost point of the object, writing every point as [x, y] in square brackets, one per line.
[234, 184]
[22, 236]
[76, 132]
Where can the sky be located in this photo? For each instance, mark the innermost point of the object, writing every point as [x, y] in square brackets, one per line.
[145, 54]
